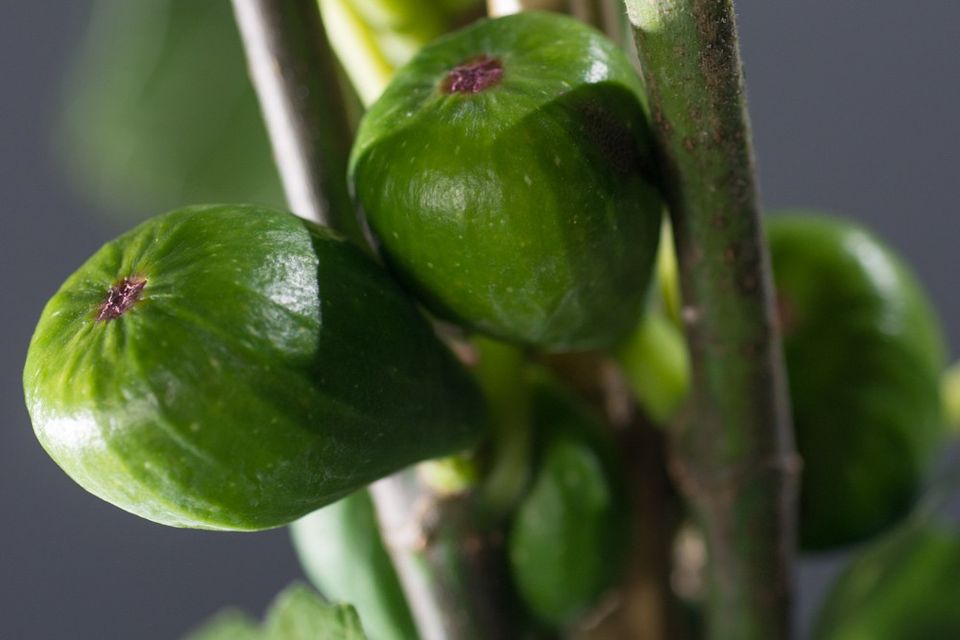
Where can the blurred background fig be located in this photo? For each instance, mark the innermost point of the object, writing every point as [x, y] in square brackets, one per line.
[864, 354]
[903, 588]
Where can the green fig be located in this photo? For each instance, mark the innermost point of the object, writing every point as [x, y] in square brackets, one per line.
[864, 353]
[570, 534]
[341, 551]
[905, 588]
[234, 367]
[506, 173]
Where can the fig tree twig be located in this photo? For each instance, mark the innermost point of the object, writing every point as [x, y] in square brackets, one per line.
[734, 453]
[295, 76]
[451, 567]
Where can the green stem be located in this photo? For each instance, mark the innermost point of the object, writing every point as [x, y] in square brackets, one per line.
[734, 455]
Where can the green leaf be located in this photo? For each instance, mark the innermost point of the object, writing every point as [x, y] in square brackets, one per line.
[298, 613]
[229, 624]
[159, 112]
[341, 551]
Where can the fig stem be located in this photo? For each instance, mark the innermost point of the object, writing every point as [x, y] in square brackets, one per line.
[293, 70]
[452, 576]
[733, 452]
[451, 565]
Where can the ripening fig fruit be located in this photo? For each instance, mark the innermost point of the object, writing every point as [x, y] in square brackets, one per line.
[864, 353]
[506, 172]
[234, 367]
[903, 588]
[569, 537]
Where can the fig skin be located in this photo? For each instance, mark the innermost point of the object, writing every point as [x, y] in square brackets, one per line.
[864, 353]
[570, 535]
[516, 195]
[903, 588]
[268, 368]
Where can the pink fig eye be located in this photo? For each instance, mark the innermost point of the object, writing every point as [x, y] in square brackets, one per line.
[121, 297]
[474, 75]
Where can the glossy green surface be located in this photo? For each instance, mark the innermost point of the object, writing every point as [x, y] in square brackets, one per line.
[268, 369]
[906, 588]
[864, 354]
[525, 210]
[341, 551]
[569, 537]
[160, 112]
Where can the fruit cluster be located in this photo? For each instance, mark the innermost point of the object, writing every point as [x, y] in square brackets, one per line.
[234, 367]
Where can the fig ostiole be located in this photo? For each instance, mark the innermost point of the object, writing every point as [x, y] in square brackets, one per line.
[864, 354]
[235, 367]
[507, 175]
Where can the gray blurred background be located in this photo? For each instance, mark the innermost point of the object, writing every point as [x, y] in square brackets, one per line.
[854, 109]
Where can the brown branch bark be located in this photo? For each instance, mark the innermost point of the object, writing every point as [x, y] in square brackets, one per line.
[451, 567]
[734, 451]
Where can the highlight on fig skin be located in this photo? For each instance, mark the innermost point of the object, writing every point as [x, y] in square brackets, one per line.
[120, 298]
[473, 75]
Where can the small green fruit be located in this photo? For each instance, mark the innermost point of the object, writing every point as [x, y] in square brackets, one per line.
[905, 588]
[233, 367]
[864, 354]
[506, 173]
[569, 537]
